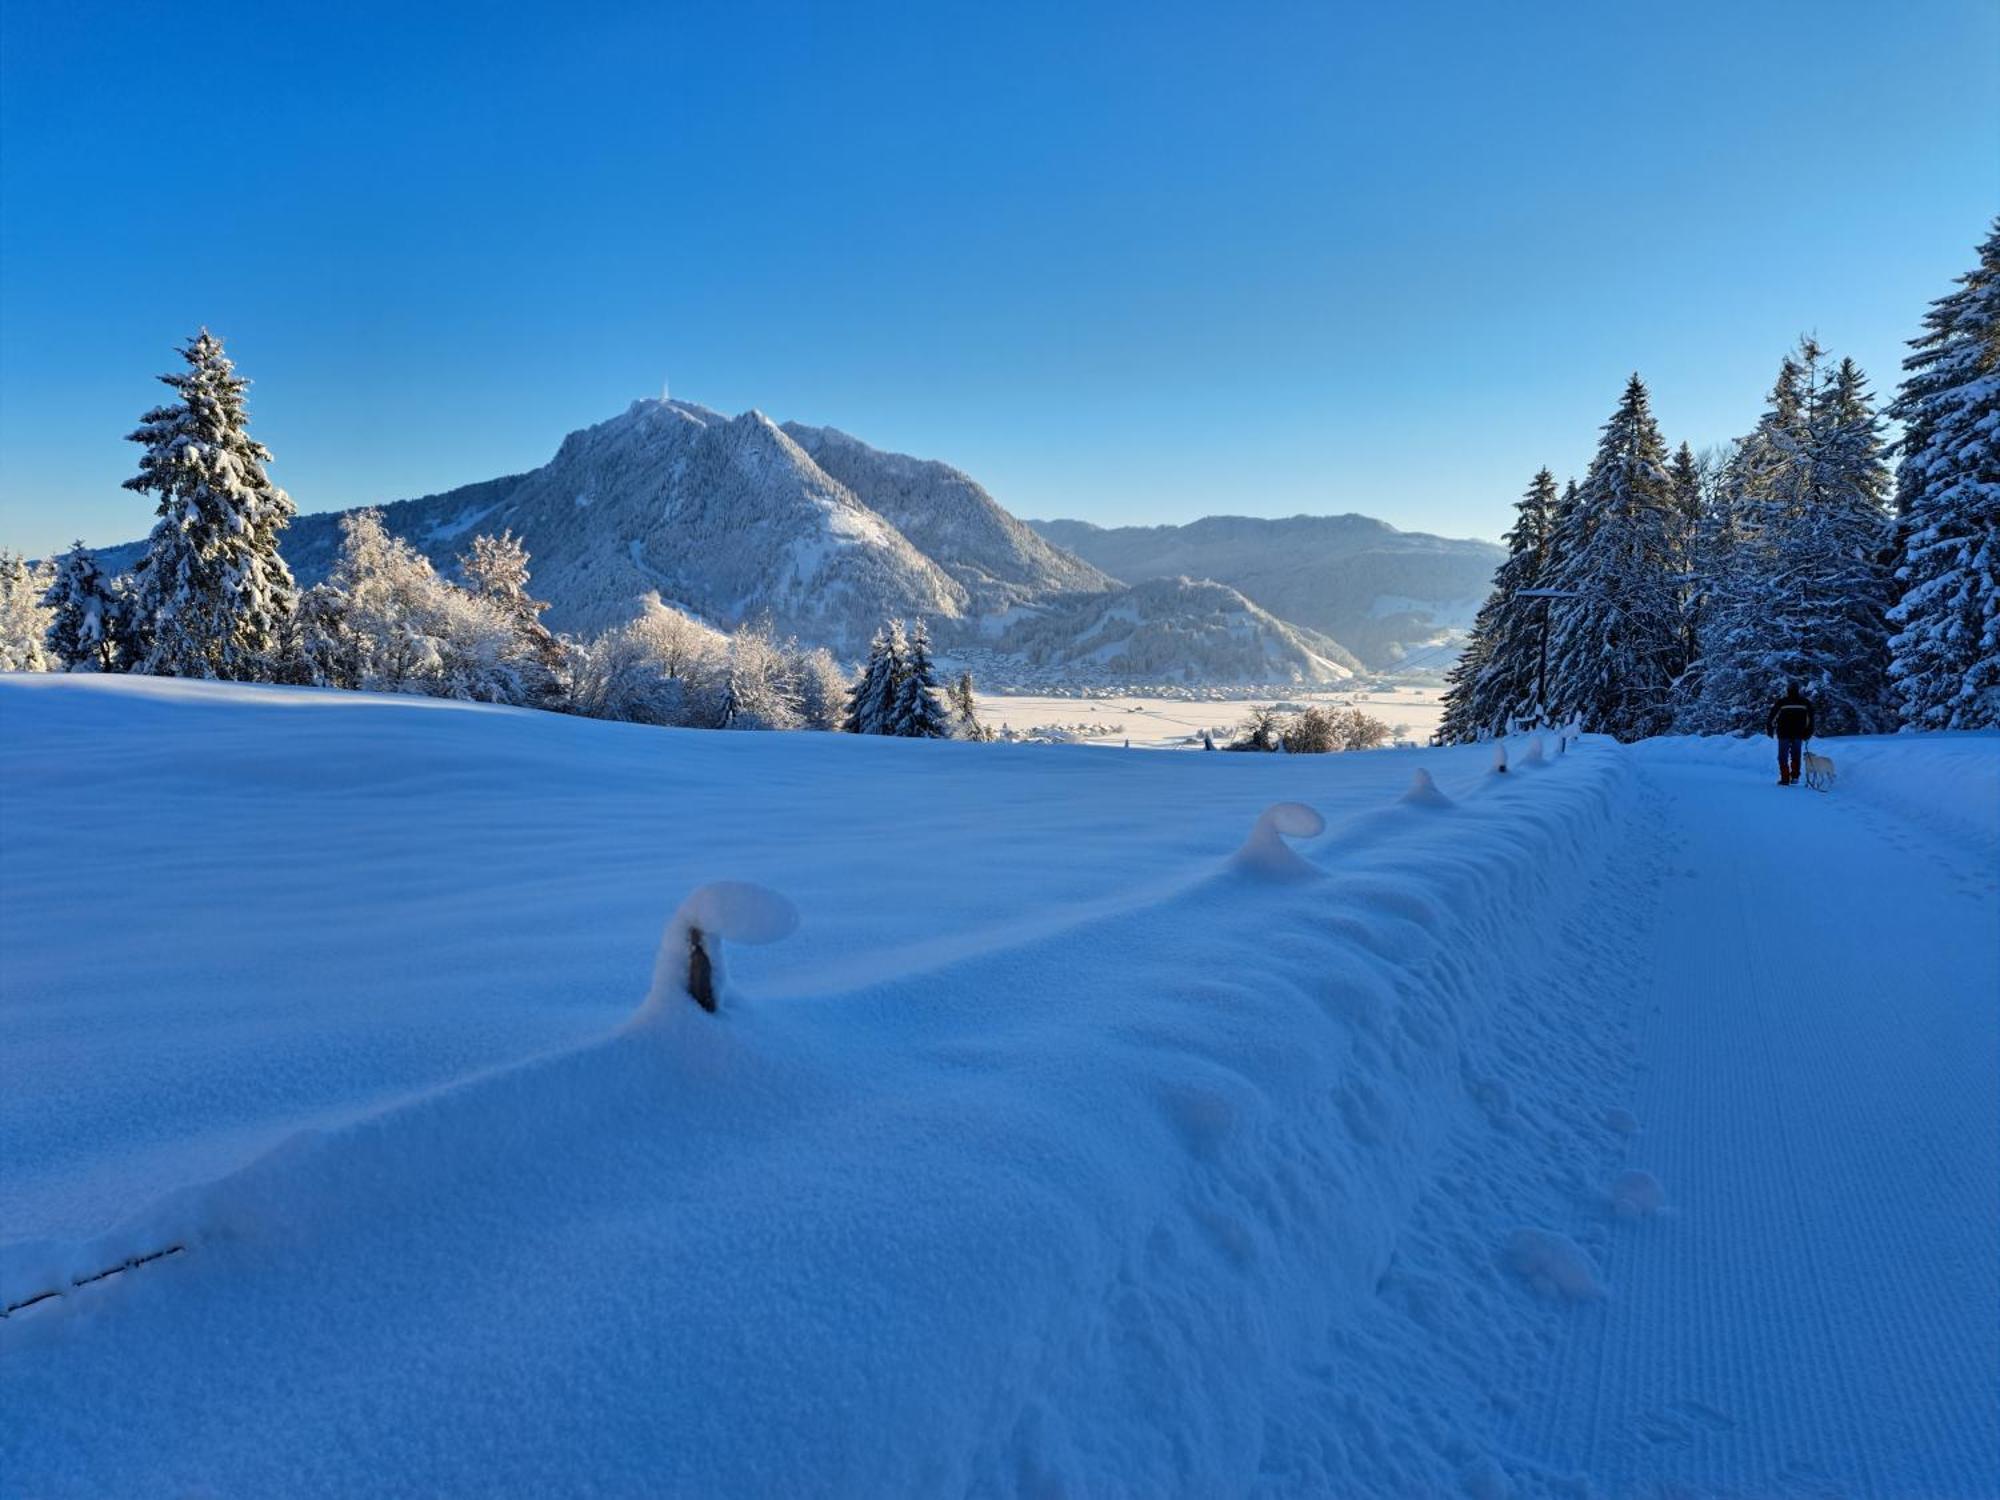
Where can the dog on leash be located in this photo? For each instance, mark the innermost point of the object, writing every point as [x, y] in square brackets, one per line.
[1818, 771]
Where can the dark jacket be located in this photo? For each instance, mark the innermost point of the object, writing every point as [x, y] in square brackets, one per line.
[1791, 718]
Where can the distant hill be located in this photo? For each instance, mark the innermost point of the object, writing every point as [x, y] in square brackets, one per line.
[1380, 592]
[1174, 629]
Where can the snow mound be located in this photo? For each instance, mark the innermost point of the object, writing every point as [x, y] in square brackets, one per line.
[1623, 1121]
[1533, 756]
[1266, 854]
[689, 965]
[1499, 755]
[1424, 791]
[1637, 1195]
[1554, 1265]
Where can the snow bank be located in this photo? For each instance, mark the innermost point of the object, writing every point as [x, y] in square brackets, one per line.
[1185, 1197]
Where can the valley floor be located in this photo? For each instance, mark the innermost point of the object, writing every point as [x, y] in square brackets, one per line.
[1411, 709]
[1064, 1148]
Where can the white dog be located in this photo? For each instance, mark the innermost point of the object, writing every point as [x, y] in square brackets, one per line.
[1818, 771]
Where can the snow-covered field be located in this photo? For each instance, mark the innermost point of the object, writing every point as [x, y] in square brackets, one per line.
[1410, 709]
[1623, 1125]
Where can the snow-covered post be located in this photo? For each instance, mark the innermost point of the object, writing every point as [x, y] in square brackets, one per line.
[1500, 757]
[1266, 854]
[1424, 792]
[689, 964]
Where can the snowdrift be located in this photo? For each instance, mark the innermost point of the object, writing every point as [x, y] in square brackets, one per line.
[1221, 1188]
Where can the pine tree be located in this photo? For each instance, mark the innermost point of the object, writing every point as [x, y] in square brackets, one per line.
[917, 714]
[1800, 591]
[1614, 645]
[871, 706]
[965, 710]
[85, 607]
[1501, 680]
[213, 595]
[1464, 717]
[1834, 558]
[1945, 655]
[24, 619]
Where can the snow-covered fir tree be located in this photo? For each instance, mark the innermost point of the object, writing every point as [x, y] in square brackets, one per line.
[871, 707]
[1498, 677]
[918, 712]
[1800, 591]
[24, 618]
[212, 596]
[918, 715]
[1615, 646]
[1945, 654]
[84, 607]
[964, 710]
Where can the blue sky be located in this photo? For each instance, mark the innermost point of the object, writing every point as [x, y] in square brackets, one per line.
[1131, 263]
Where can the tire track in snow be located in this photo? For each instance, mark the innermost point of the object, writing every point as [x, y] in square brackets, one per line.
[1821, 1314]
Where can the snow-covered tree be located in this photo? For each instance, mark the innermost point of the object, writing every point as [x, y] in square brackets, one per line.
[24, 618]
[918, 715]
[495, 569]
[383, 621]
[757, 684]
[964, 710]
[1945, 654]
[1614, 646]
[85, 607]
[1497, 678]
[663, 668]
[819, 685]
[212, 596]
[871, 707]
[1800, 591]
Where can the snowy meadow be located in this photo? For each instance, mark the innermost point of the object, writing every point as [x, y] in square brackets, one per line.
[1096, 1130]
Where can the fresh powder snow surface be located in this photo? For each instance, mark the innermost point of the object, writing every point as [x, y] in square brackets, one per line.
[1623, 1124]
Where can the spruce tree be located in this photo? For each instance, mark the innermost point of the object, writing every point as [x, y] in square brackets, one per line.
[84, 610]
[1800, 591]
[872, 704]
[1509, 682]
[1945, 655]
[965, 710]
[1614, 645]
[213, 596]
[917, 713]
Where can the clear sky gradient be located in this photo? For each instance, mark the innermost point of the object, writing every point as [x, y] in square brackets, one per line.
[1130, 263]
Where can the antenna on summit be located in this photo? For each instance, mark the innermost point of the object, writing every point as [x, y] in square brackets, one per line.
[663, 391]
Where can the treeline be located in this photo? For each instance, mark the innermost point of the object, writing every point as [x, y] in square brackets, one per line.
[213, 598]
[1671, 593]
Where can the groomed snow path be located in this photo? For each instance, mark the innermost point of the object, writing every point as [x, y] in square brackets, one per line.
[1820, 1314]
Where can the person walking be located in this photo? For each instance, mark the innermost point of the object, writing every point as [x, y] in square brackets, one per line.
[1791, 720]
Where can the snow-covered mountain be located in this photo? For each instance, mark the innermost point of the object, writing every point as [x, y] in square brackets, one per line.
[1174, 629]
[999, 560]
[1382, 593]
[738, 519]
